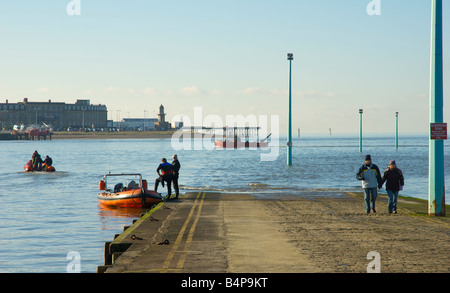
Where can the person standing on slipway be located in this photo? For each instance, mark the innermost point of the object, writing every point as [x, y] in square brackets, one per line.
[370, 177]
[176, 172]
[394, 179]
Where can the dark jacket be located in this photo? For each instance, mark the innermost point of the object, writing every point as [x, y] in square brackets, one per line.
[176, 167]
[166, 169]
[393, 178]
[48, 161]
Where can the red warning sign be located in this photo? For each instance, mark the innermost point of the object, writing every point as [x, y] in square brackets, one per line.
[438, 131]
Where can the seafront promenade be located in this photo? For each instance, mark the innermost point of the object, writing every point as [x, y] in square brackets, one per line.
[206, 232]
[112, 134]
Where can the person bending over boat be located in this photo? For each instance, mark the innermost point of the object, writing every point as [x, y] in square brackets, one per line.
[166, 174]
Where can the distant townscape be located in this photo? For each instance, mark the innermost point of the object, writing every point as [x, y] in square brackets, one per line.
[27, 117]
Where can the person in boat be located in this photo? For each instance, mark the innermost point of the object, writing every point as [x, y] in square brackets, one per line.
[47, 163]
[165, 174]
[36, 161]
[176, 171]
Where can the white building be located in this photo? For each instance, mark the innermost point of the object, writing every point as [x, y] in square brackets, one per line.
[143, 124]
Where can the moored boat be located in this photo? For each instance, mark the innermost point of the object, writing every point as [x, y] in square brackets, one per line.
[133, 195]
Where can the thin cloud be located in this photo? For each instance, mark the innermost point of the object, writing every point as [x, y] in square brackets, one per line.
[311, 94]
[192, 90]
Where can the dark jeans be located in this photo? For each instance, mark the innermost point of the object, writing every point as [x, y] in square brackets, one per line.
[370, 196]
[392, 200]
[168, 180]
[175, 184]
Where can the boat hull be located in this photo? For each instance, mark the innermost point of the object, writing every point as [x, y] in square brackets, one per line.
[133, 198]
[29, 168]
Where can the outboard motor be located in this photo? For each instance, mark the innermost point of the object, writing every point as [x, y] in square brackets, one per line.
[118, 187]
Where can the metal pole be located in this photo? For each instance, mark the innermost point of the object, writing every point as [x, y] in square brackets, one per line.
[289, 142]
[360, 130]
[436, 186]
[396, 130]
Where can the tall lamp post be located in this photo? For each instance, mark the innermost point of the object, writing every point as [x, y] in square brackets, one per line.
[36, 109]
[290, 57]
[436, 186]
[360, 130]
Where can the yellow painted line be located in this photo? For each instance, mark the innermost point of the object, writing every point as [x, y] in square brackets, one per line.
[191, 234]
[125, 234]
[177, 243]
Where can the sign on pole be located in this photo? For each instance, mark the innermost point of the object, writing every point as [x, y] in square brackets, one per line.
[438, 131]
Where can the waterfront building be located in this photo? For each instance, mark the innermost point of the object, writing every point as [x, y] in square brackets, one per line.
[58, 115]
[142, 124]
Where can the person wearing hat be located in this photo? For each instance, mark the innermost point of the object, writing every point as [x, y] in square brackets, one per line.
[370, 177]
[394, 179]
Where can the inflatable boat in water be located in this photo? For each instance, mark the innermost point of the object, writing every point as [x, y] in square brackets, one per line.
[29, 168]
[132, 195]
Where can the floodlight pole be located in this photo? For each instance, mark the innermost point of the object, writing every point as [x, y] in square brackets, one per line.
[436, 186]
[290, 57]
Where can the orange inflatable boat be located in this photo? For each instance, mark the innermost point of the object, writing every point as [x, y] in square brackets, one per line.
[29, 167]
[132, 195]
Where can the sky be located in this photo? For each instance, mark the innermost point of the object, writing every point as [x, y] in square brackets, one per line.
[229, 58]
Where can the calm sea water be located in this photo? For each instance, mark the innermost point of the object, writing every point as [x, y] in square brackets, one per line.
[45, 216]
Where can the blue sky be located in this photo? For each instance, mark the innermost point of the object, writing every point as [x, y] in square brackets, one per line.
[228, 57]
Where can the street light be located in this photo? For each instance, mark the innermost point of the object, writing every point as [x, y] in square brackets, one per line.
[145, 115]
[36, 109]
[290, 57]
[118, 117]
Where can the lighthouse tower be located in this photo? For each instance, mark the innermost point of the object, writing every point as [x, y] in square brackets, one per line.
[162, 124]
[161, 115]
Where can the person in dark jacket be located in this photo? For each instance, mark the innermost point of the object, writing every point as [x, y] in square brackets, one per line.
[166, 175]
[36, 161]
[370, 177]
[176, 171]
[394, 179]
[48, 161]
